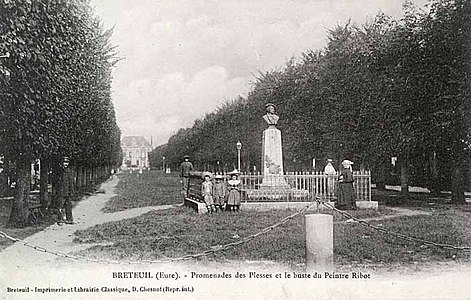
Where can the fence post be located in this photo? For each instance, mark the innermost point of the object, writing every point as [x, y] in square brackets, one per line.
[319, 230]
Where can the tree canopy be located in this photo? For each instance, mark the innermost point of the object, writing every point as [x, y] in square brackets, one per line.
[55, 85]
[389, 87]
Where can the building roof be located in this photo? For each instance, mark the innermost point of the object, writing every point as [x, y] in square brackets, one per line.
[134, 141]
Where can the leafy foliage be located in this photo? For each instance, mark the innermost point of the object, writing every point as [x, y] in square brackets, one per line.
[385, 88]
[55, 77]
[56, 82]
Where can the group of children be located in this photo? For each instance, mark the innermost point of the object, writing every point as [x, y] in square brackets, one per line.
[218, 194]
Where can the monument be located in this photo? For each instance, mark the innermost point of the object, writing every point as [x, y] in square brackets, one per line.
[272, 153]
[274, 185]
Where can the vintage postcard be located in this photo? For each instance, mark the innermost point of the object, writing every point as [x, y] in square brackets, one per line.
[235, 149]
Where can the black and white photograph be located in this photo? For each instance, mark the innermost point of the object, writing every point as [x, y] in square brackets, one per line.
[235, 149]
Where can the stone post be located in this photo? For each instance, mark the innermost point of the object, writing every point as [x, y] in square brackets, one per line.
[319, 242]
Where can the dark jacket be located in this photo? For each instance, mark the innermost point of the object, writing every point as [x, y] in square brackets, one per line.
[66, 183]
[185, 169]
[346, 176]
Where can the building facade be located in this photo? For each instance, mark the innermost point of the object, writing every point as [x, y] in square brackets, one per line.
[135, 152]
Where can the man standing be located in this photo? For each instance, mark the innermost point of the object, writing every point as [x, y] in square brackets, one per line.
[185, 168]
[65, 194]
[329, 170]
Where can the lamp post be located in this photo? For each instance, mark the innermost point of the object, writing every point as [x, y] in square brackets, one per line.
[239, 146]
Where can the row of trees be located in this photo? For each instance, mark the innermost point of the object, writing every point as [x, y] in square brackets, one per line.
[388, 88]
[55, 77]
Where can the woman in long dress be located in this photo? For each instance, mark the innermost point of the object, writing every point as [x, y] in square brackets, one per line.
[346, 197]
[233, 196]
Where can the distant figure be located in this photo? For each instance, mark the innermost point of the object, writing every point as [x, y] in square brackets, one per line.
[233, 196]
[185, 168]
[207, 192]
[346, 198]
[270, 117]
[330, 171]
[65, 193]
[219, 193]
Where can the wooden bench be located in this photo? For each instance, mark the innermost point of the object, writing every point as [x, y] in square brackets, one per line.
[35, 211]
[194, 199]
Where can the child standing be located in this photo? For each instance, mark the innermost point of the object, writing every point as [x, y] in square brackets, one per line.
[219, 192]
[233, 197]
[207, 192]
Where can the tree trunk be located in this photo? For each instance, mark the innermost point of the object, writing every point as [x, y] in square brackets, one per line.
[86, 176]
[77, 177]
[457, 185]
[404, 176]
[4, 187]
[81, 177]
[382, 171]
[7, 176]
[93, 175]
[20, 208]
[56, 182]
[435, 182]
[43, 183]
[73, 182]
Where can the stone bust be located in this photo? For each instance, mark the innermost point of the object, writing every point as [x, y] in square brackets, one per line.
[270, 117]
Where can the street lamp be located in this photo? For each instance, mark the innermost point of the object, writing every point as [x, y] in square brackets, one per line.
[239, 146]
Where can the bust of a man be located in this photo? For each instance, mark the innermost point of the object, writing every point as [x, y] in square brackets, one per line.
[270, 116]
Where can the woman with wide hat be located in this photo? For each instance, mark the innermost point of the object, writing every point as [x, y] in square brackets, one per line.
[346, 198]
[233, 196]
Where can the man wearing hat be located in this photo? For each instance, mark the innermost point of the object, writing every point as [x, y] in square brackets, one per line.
[65, 193]
[185, 168]
[346, 198]
[330, 171]
[270, 117]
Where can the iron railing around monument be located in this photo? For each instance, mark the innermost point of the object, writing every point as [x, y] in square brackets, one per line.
[303, 187]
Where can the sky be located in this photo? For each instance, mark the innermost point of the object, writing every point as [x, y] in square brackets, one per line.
[185, 58]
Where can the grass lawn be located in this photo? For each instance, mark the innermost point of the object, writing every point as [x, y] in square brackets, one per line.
[147, 189]
[180, 231]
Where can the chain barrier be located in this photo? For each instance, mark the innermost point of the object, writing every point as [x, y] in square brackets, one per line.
[212, 250]
[395, 234]
[220, 248]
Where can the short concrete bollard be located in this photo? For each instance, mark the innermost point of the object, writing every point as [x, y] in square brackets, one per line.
[319, 242]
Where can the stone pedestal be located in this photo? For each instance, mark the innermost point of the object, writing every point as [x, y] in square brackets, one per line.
[272, 160]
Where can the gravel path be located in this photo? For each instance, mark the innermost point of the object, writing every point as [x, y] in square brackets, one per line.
[87, 213]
